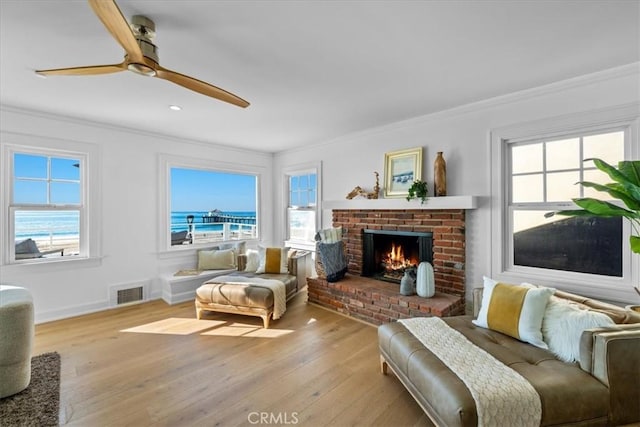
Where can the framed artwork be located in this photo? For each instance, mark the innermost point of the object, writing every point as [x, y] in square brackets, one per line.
[401, 168]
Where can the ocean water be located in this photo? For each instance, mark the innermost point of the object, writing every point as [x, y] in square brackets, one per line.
[46, 223]
[62, 224]
[179, 220]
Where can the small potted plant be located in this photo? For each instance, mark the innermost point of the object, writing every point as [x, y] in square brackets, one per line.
[418, 190]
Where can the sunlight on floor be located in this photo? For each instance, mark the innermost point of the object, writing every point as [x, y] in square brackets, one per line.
[245, 330]
[175, 326]
[180, 326]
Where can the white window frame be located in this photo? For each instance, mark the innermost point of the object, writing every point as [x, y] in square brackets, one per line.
[608, 288]
[295, 170]
[166, 163]
[90, 201]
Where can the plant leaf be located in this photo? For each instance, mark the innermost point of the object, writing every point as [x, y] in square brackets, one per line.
[635, 244]
[613, 173]
[616, 191]
[630, 169]
[574, 212]
[605, 209]
[629, 182]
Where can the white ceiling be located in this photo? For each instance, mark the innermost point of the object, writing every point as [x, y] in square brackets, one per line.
[312, 70]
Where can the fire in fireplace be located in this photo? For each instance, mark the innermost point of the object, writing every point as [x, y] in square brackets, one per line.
[386, 254]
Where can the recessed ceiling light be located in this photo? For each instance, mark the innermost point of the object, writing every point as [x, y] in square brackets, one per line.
[175, 107]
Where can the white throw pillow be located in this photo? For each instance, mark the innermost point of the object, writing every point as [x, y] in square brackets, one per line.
[216, 259]
[514, 310]
[563, 324]
[273, 260]
[253, 261]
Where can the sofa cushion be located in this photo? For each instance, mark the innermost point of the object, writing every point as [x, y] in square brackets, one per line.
[216, 259]
[563, 324]
[235, 294]
[253, 261]
[514, 310]
[273, 260]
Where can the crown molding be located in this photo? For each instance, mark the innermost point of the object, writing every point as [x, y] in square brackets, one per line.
[101, 125]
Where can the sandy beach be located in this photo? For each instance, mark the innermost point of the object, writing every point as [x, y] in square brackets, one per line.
[70, 244]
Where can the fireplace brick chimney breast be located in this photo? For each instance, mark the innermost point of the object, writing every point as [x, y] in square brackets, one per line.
[447, 226]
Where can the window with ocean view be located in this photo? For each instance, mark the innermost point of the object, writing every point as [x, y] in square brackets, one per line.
[46, 206]
[212, 206]
[302, 203]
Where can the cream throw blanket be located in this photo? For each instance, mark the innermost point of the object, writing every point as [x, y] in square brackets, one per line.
[503, 397]
[276, 286]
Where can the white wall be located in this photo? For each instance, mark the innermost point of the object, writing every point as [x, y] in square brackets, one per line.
[130, 187]
[463, 135]
[130, 182]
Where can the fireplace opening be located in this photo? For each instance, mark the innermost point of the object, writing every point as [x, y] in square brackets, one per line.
[386, 254]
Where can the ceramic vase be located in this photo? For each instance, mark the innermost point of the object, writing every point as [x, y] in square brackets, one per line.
[439, 176]
[407, 284]
[426, 285]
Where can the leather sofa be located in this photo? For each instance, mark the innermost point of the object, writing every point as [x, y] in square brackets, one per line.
[602, 389]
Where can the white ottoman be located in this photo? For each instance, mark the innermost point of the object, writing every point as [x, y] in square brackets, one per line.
[16, 339]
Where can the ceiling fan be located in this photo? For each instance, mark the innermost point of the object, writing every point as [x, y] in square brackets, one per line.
[141, 54]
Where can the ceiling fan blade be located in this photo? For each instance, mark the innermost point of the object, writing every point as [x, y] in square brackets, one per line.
[200, 87]
[116, 23]
[84, 71]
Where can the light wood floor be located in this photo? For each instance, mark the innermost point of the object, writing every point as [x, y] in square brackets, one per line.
[155, 364]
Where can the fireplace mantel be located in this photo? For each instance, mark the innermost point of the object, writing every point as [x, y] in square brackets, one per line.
[432, 203]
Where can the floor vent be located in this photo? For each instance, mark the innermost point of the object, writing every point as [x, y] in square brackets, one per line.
[126, 296]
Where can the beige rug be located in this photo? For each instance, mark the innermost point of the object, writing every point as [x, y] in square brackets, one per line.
[38, 404]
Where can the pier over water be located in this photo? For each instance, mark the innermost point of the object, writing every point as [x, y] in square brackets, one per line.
[217, 216]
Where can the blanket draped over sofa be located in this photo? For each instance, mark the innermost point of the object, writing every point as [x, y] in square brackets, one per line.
[277, 287]
[502, 396]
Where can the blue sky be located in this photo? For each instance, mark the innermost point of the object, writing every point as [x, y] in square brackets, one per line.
[31, 172]
[202, 190]
[191, 189]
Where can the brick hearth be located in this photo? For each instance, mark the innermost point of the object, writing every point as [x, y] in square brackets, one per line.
[379, 302]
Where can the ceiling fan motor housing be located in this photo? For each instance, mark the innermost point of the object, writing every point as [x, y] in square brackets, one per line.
[144, 30]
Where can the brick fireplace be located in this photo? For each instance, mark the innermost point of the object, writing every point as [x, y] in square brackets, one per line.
[379, 302]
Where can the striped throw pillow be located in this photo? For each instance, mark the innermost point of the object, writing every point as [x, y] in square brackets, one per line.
[514, 310]
[273, 260]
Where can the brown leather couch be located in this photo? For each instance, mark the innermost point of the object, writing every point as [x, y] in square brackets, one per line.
[603, 389]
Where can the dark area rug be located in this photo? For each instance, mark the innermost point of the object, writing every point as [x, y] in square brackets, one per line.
[38, 404]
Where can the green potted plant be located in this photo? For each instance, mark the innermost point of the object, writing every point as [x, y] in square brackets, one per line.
[626, 188]
[418, 190]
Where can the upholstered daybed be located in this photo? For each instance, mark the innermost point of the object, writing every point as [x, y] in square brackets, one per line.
[252, 293]
[601, 389]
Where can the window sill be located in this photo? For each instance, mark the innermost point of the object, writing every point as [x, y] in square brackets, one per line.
[617, 290]
[54, 264]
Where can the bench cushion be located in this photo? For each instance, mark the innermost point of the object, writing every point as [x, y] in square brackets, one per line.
[235, 294]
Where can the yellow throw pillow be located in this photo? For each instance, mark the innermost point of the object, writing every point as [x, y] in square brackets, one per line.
[273, 260]
[514, 310]
[216, 259]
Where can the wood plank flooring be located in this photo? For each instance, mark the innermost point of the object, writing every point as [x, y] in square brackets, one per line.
[155, 364]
